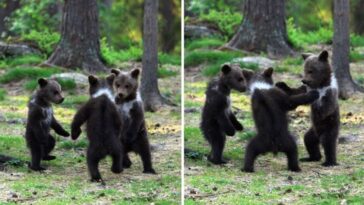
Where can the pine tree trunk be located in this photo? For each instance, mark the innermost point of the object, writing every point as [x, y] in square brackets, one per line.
[341, 49]
[263, 29]
[80, 44]
[149, 82]
[359, 17]
[169, 39]
[5, 12]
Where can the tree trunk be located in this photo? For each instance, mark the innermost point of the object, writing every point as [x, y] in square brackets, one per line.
[169, 39]
[359, 17]
[79, 46]
[263, 29]
[10, 7]
[341, 49]
[149, 82]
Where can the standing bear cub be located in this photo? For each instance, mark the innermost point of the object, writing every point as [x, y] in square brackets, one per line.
[103, 127]
[41, 120]
[217, 118]
[130, 105]
[270, 106]
[325, 114]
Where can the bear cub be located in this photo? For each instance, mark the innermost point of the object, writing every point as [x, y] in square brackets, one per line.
[217, 118]
[270, 106]
[41, 120]
[103, 126]
[325, 115]
[130, 105]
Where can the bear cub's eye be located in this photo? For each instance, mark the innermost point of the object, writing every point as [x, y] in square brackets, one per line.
[240, 79]
[55, 92]
[117, 85]
[126, 86]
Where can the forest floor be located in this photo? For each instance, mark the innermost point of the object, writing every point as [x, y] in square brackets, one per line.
[272, 183]
[66, 181]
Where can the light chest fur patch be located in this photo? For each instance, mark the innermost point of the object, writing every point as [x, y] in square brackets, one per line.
[259, 86]
[48, 112]
[104, 91]
[126, 107]
[322, 91]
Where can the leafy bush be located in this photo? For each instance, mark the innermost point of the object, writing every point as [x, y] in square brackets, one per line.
[212, 57]
[299, 39]
[113, 57]
[226, 21]
[35, 15]
[19, 73]
[45, 40]
[356, 40]
[204, 43]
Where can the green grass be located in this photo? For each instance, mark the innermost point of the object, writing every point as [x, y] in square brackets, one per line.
[66, 84]
[21, 60]
[204, 43]
[172, 59]
[211, 57]
[18, 73]
[356, 56]
[2, 94]
[165, 73]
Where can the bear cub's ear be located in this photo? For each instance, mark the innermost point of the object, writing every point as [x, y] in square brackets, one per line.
[92, 80]
[324, 56]
[135, 73]
[268, 72]
[225, 69]
[115, 71]
[110, 78]
[42, 82]
[305, 55]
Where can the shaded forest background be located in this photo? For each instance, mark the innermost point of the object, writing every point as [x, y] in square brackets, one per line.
[37, 23]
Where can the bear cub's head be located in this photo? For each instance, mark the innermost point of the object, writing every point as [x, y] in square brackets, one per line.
[50, 91]
[317, 70]
[125, 85]
[100, 86]
[233, 77]
[262, 79]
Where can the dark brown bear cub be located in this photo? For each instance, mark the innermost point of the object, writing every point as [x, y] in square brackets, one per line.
[130, 105]
[217, 118]
[270, 106]
[103, 126]
[41, 120]
[325, 114]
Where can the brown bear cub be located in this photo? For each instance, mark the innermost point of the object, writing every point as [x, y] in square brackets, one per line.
[103, 126]
[270, 106]
[325, 114]
[41, 120]
[130, 105]
[217, 118]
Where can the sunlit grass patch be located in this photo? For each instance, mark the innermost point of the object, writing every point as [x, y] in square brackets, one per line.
[204, 43]
[210, 57]
[19, 73]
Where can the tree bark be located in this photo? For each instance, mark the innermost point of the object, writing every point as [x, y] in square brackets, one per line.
[149, 82]
[80, 39]
[341, 49]
[263, 29]
[169, 39]
[358, 15]
[10, 7]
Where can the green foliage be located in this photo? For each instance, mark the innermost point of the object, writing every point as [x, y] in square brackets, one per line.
[226, 21]
[73, 144]
[204, 43]
[164, 73]
[19, 73]
[45, 40]
[172, 59]
[247, 135]
[2, 94]
[199, 7]
[211, 57]
[356, 56]
[298, 38]
[35, 15]
[22, 60]
[356, 40]
[113, 57]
